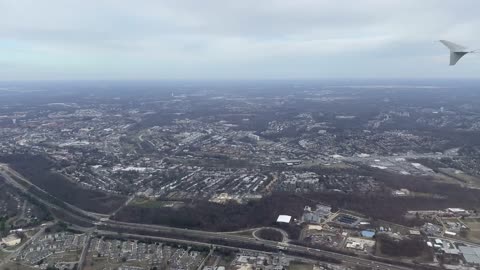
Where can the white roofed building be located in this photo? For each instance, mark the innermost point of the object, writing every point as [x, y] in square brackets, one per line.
[457, 211]
[284, 219]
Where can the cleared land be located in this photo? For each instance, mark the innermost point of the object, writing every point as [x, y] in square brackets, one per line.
[474, 233]
[147, 203]
[300, 266]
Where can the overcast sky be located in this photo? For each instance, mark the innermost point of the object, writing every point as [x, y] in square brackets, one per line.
[238, 39]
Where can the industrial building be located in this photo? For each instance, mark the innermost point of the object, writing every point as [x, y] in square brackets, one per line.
[471, 254]
[315, 217]
[347, 220]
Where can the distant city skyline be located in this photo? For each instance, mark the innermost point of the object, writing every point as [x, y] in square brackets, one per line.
[203, 40]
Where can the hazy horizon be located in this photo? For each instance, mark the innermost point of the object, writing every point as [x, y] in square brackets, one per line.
[231, 40]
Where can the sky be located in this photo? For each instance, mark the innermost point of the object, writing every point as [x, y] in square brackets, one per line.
[247, 39]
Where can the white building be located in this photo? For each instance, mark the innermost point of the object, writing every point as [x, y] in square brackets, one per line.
[284, 219]
[457, 211]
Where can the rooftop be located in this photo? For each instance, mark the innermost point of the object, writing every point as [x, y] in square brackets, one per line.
[284, 219]
[471, 254]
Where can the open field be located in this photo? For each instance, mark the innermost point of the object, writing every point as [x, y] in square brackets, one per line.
[461, 177]
[474, 233]
[15, 266]
[147, 203]
[300, 266]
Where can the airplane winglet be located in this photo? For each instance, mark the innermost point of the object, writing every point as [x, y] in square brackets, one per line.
[456, 51]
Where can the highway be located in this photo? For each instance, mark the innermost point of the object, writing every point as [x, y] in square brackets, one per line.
[346, 260]
[235, 239]
[188, 235]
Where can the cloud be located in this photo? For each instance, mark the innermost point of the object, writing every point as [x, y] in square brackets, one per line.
[234, 39]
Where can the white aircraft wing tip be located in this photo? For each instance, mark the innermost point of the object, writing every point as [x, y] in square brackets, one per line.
[453, 46]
